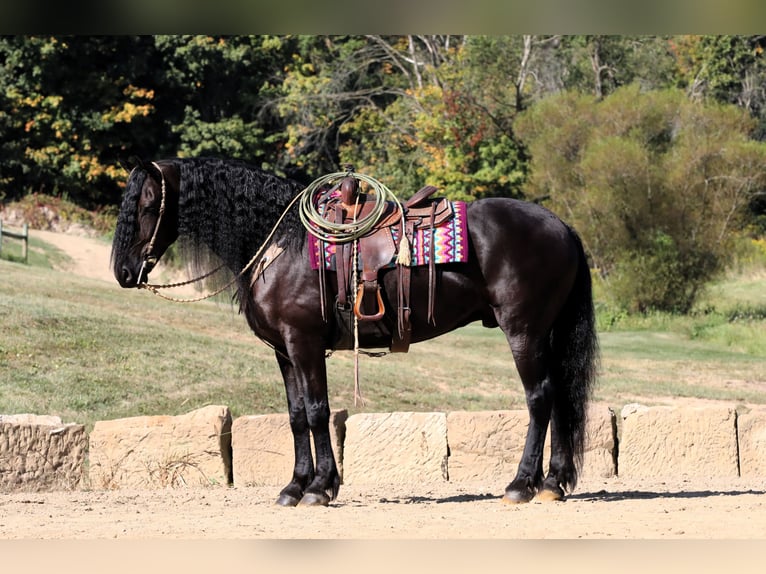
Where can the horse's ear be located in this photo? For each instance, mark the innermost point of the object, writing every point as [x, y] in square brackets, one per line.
[153, 170]
[129, 163]
[148, 166]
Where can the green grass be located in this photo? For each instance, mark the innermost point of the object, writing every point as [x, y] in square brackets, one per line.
[87, 350]
[39, 253]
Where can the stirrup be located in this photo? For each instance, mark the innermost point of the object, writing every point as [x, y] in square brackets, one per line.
[358, 306]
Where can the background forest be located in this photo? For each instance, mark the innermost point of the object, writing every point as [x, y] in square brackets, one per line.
[652, 147]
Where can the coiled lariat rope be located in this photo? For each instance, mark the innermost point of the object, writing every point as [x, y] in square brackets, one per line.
[333, 232]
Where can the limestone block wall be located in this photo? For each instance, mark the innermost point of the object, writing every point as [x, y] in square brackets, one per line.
[206, 448]
[262, 446]
[684, 441]
[395, 448]
[751, 433]
[486, 445]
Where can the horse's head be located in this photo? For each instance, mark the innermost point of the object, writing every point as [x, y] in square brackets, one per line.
[147, 223]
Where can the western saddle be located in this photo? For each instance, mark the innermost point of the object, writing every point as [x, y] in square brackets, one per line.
[386, 244]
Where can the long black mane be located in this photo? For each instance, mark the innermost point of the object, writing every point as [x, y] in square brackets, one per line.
[126, 231]
[230, 207]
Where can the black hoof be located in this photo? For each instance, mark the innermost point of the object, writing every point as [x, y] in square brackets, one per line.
[287, 500]
[314, 499]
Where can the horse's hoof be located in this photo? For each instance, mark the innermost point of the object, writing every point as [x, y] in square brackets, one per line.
[549, 495]
[287, 500]
[517, 497]
[314, 499]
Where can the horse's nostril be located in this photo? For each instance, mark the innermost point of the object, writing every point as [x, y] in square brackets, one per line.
[126, 277]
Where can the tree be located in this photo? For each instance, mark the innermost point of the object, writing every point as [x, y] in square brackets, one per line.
[412, 110]
[337, 93]
[70, 107]
[656, 184]
[215, 95]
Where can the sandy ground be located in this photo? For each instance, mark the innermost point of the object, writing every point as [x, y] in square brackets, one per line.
[605, 509]
[615, 508]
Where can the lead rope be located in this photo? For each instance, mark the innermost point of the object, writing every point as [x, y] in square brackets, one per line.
[355, 277]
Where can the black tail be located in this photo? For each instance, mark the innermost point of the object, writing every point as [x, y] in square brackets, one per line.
[575, 350]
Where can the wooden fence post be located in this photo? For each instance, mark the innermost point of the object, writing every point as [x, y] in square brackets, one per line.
[24, 236]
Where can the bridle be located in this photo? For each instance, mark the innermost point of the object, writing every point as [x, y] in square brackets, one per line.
[149, 257]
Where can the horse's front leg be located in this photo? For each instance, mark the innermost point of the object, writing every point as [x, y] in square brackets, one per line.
[305, 378]
[303, 471]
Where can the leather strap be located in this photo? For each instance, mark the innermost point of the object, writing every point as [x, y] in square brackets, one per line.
[431, 267]
[342, 263]
[402, 335]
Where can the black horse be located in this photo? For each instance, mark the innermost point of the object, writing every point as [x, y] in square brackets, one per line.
[526, 273]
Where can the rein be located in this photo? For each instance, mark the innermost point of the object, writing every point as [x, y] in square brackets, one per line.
[150, 258]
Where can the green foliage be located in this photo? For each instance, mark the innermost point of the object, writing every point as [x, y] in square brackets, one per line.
[656, 184]
[450, 127]
[69, 105]
[215, 91]
[659, 276]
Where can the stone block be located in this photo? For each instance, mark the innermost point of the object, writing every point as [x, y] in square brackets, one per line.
[488, 445]
[395, 448]
[485, 445]
[193, 449]
[692, 442]
[751, 434]
[600, 456]
[39, 453]
[263, 452]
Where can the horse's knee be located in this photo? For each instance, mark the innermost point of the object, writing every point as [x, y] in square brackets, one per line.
[318, 414]
[298, 420]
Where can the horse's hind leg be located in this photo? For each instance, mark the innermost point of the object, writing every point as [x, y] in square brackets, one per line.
[560, 466]
[530, 356]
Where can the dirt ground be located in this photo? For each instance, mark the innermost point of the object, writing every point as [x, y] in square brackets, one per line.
[606, 509]
[615, 508]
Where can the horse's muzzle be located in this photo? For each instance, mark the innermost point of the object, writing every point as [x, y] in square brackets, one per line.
[128, 277]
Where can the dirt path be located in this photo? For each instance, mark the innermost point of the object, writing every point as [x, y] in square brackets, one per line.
[608, 508]
[90, 257]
